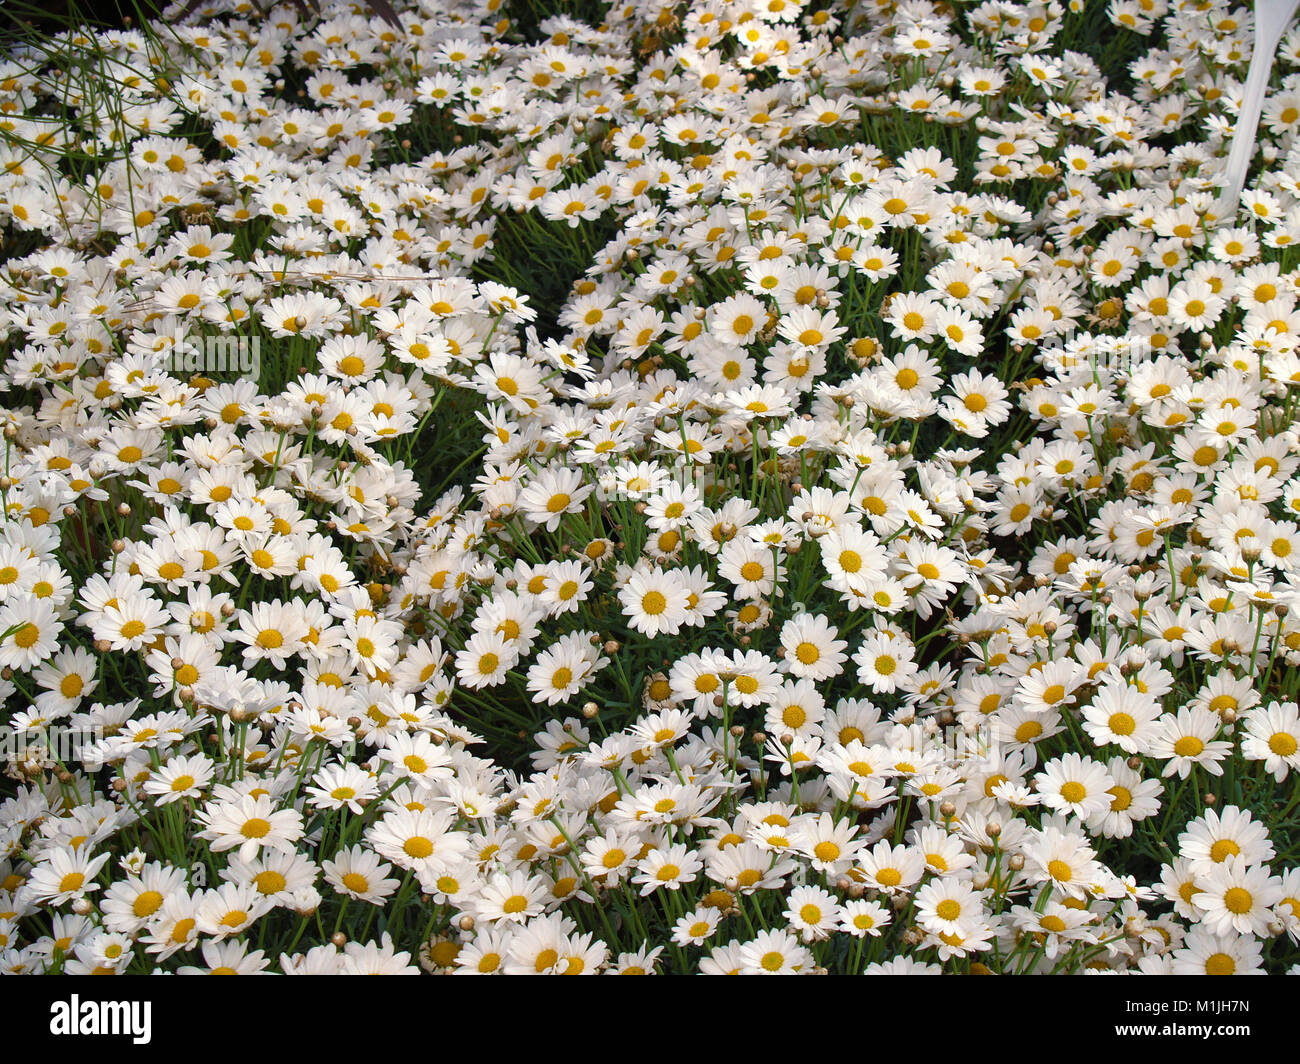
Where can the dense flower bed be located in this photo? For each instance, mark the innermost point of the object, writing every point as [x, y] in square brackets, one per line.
[746, 486]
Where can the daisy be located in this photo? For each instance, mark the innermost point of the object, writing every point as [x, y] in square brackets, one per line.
[272, 630]
[551, 494]
[1187, 738]
[797, 708]
[514, 896]
[696, 927]
[775, 953]
[360, 874]
[853, 558]
[230, 908]
[174, 926]
[949, 907]
[668, 868]
[562, 670]
[1132, 798]
[1212, 838]
[1055, 925]
[1273, 736]
[751, 567]
[1074, 784]
[420, 840]
[913, 316]
[1050, 688]
[812, 649]
[1207, 953]
[813, 912]
[1063, 859]
[981, 396]
[29, 631]
[1121, 715]
[418, 758]
[830, 845]
[181, 777]
[63, 875]
[960, 332]
[1235, 896]
[342, 785]
[885, 662]
[892, 869]
[135, 621]
[130, 904]
[249, 823]
[376, 958]
[227, 958]
[861, 918]
[654, 602]
[609, 858]
[484, 661]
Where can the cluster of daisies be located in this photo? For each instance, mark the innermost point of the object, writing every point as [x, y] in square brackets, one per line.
[880, 556]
